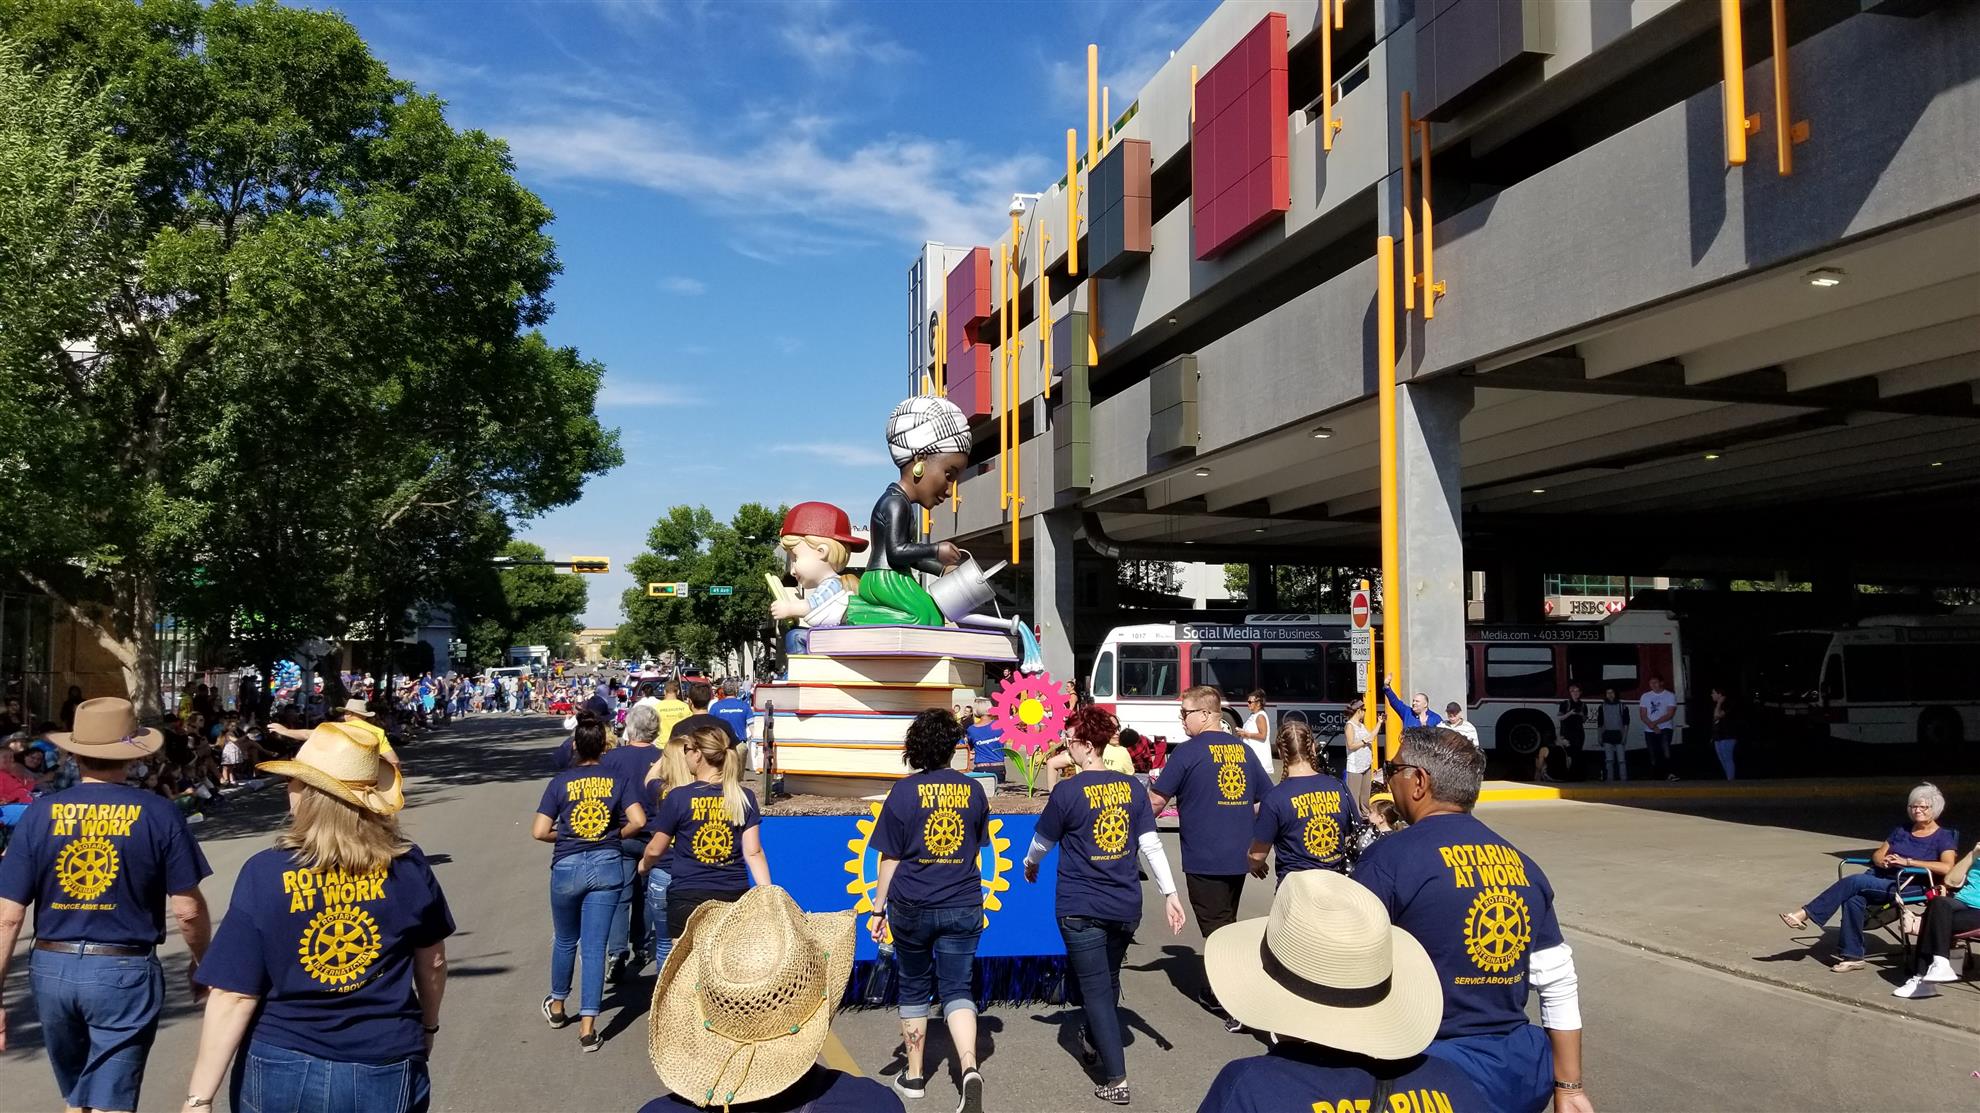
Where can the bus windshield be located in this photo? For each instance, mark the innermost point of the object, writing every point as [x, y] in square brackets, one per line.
[1790, 666]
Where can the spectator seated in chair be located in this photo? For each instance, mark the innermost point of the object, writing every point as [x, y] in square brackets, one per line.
[1919, 845]
[1955, 912]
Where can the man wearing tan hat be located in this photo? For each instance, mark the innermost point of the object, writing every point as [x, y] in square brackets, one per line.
[97, 862]
[1353, 1000]
[357, 713]
[744, 1006]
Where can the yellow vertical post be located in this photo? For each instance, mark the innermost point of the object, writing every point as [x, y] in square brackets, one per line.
[1092, 104]
[1326, 77]
[1072, 202]
[1043, 315]
[1192, 94]
[1385, 381]
[1432, 289]
[1787, 131]
[1408, 217]
[1732, 56]
[942, 347]
[1003, 403]
[1106, 119]
[1013, 391]
[1371, 698]
[1340, 14]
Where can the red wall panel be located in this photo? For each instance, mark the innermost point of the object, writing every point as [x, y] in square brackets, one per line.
[1239, 176]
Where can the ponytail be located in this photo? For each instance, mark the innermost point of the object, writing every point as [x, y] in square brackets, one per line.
[1296, 743]
[713, 744]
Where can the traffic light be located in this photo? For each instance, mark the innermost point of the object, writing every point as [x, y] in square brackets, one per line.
[665, 591]
[596, 566]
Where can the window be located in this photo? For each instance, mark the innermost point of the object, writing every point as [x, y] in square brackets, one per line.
[1596, 667]
[1150, 671]
[1226, 668]
[1876, 673]
[1520, 671]
[1945, 673]
[1103, 675]
[1290, 673]
[1341, 669]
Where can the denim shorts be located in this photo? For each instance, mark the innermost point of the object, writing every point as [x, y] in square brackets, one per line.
[935, 949]
[273, 1079]
[99, 1014]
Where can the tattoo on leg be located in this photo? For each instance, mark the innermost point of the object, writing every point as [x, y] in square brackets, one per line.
[915, 1038]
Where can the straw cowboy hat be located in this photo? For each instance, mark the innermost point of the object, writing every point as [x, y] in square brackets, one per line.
[107, 727]
[1327, 967]
[359, 707]
[745, 1002]
[343, 761]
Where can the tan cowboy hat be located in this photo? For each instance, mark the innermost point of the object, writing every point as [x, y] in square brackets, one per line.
[743, 1006]
[107, 727]
[343, 761]
[1327, 967]
[359, 707]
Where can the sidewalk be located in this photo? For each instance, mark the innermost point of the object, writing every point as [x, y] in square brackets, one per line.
[1707, 887]
[1955, 786]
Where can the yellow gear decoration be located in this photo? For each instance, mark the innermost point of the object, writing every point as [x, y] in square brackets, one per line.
[590, 818]
[865, 877]
[1323, 836]
[1497, 929]
[86, 867]
[1110, 830]
[714, 843]
[1230, 781]
[943, 832]
[339, 945]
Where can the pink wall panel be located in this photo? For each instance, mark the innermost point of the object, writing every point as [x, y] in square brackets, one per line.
[1238, 157]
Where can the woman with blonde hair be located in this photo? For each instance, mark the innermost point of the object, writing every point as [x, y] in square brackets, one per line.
[716, 823]
[1307, 820]
[331, 962]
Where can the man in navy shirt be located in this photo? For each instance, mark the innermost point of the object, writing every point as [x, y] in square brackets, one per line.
[1485, 913]
[1216, 781]
[97, 862]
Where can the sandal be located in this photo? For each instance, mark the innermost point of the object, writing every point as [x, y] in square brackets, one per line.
[1847, 965]
[1796, 919]
[1113, 1093]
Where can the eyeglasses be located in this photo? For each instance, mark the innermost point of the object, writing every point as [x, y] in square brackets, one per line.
[1188, 711]
[1392, 768]
[1918, 807]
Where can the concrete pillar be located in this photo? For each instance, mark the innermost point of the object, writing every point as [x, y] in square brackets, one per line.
[1264, 593]
[1429, 483]
[1052, 588]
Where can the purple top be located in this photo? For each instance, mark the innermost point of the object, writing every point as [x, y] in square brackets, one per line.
[1904, 844]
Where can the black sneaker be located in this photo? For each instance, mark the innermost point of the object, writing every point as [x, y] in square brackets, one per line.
[910, 1087]
[615, 969]
[1113, 1093]
[590, 1041]
[1232, 1024]
[1088, 1053]
[972, 1092]
[556, 1016]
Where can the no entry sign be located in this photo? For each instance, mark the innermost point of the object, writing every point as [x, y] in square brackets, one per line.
[1358, 610]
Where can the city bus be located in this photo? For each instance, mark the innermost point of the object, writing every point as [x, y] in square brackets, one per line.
[1892, 678]
[1516, 675]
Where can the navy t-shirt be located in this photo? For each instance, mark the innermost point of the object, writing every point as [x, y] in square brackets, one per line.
[587, 805]
[819, 1090]
[934, 824]
[630, 764]
[1214, 780]
[97, 861]
[1904, 844]
[1302, 1076]
[735, 712]
[1097, 818]
[1480, 907]
[1307, 821]
[707, 847]
[986, 744]
[330, 954]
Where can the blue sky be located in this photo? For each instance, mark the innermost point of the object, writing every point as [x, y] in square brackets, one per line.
[740, 188]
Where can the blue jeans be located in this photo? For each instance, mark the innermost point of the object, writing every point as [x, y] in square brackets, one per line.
[1095, 950]
[1854, 895]
[657, 881]
[584, 892]
[271, 1079]
[1725, 747]
[629, 918]
[935, 948]
[1514, 1071]
[98, 1015]
[1659, 742]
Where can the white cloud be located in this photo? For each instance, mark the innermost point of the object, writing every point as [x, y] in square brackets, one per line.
[1131, 50]
[620, 393]
[683, 285]
[836, 452]
[823, 38]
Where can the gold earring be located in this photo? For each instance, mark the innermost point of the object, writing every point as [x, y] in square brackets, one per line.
[917, 469]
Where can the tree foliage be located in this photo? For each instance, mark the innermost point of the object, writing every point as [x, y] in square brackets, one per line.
[1306, 588]
[1154, 576]
[279, 346]
[529, 605]
[688, 545]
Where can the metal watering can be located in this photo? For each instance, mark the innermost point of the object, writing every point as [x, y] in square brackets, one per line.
[965, 589]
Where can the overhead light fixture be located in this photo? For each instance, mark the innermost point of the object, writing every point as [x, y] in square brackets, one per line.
[1203, 473]
[1938, 463]
[1711, 455]
[1189, 542]
[1321, 433]
[1825, 277]
[1172, 320]
[1258, 529]
[1539, 490]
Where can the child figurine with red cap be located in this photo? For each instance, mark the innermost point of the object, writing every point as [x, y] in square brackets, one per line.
[818, 541]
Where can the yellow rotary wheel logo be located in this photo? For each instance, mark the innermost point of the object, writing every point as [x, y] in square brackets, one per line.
[590, 818]
[1110, 830]
[1497, 930]
[339, 945]
[1323, 836]
[943, 833]
[86, 867]
[1230, 780]
[714, 843]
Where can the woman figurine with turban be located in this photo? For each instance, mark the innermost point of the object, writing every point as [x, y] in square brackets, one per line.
[928, 437]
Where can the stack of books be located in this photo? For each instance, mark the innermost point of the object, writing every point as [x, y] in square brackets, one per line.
[841, 713]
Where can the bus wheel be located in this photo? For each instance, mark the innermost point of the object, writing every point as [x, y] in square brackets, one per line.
[1231, 721]
[1523, 734]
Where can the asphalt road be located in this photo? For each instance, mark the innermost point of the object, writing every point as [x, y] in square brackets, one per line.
[1696, 1022]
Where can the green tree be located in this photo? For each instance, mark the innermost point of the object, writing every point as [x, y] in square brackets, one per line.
[288, 381]
[1305, 588]
[1155, 576]
[527, 605]
[689, 545]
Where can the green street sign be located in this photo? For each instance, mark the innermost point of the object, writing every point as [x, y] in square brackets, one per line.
[722, 589]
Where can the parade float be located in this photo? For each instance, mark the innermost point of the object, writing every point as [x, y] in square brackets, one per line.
[866, 655]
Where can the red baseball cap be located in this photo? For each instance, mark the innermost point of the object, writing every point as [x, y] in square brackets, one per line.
[822, 519]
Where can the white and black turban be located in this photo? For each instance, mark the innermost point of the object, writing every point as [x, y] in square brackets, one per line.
[926, 425]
